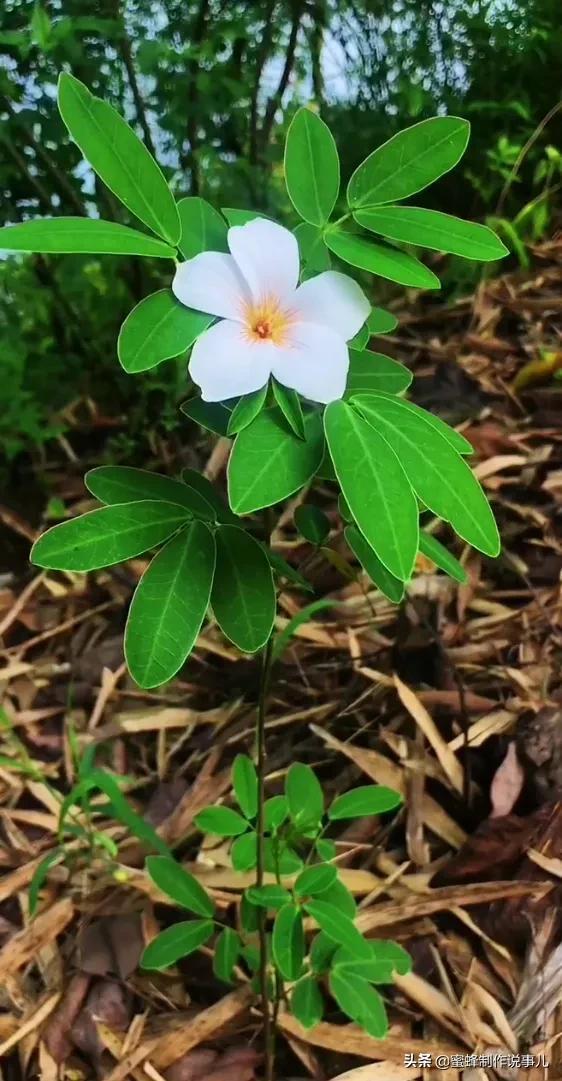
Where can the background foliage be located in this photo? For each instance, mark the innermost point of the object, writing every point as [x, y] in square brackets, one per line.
[211, 86]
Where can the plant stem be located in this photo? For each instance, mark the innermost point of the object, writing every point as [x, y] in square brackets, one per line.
[268, 1029]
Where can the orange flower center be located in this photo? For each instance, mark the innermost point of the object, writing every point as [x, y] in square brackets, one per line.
[267, 321]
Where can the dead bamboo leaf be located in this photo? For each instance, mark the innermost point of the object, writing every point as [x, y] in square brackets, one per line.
[31, 1023]
[351, 1040]
[380, 1071]
[444, 898]
[449, 762]
[182, 1033]
[548, 863]
[25, 945]
[383, 771]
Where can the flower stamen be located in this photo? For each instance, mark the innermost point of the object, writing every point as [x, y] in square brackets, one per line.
[267, 321]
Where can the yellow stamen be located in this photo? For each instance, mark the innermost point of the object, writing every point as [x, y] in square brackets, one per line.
[267, 321]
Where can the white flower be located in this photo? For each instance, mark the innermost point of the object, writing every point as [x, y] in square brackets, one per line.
[269, 324]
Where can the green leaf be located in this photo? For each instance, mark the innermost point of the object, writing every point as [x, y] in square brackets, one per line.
[279, 859]
[286, 570]
[249, 914]
[244, 852]
[312, 168]
[268, 463]
[272, 896]
[392, 587]
[157, 329]
[326, 849]
[202, 227]
[290, 406]
[315, 880]
[343, 509]
[227, 952]
[275, 813]
[314, 254]
[241, 217]
[388, 952]
[312, 523]
[434, 230]
[326, 470]
[376, 488]
[361, 340]
[304, 796]
[123, 484]
[368, 968]
[282, 640]
[122, 810]
[221, 821]
[409, 161]
[169, 606]
[41, 27]
[214, 416]
[107, 536]
[359, 1001]
[307, 1004]
[322, 951]
[243, 596]
[201, 484]
[434, 550]
[179, 885]
[373, 371]
[39, 877]
[337, 926]
[117, 155]
[438, 475]
[339, 896]
[381, 259]
[245, 781]
[81, 235]
[176, 942]
[369, 799]
[246, 410]
[381, 321]
[288, 942]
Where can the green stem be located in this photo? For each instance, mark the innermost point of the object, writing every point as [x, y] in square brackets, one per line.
[269, 1034]
[334, 224]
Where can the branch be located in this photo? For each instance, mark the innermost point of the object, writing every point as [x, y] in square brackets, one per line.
[316, 42]
[192, 94]
[276, 98]
[263, 52]
[63, 183]
[127, 56]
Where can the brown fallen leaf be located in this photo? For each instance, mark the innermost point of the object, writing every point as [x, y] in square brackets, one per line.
[183, 1034]
[56, 1035]
[236, 1064]
[507, 784]
[111, 945]
[108, 1002]
[501, 846]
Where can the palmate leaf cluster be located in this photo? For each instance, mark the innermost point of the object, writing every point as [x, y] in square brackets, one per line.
[391, 459]
[302, 884]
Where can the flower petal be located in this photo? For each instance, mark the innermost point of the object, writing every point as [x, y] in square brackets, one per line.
[211, 282]
[268, 257]
[224, 363]
[314, 362]
[333, 300]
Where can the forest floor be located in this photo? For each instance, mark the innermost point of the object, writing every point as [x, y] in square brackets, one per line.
[454, 699]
